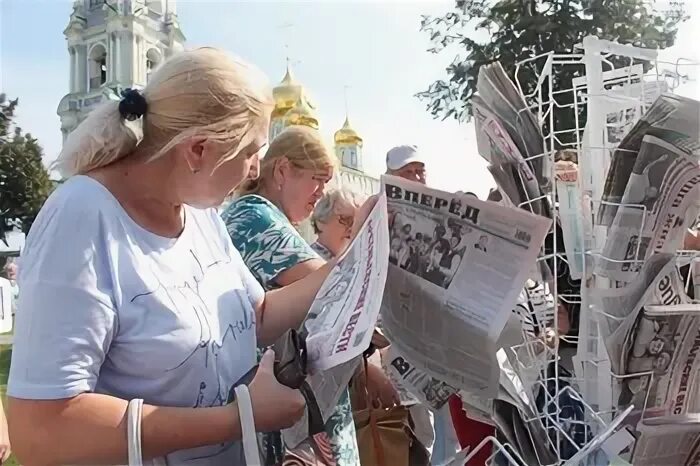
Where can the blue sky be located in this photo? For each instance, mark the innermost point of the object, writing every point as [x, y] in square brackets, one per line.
[375, 48]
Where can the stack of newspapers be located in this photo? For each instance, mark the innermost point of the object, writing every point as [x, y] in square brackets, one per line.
[650, 325]
[509, 138]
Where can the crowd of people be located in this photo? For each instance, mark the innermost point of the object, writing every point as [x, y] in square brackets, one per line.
[134, 287]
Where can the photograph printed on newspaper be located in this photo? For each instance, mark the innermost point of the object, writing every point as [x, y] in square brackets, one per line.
[343, 316]
[663, 185]
[456, 268]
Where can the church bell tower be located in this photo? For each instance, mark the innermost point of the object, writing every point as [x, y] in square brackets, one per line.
[113, 45]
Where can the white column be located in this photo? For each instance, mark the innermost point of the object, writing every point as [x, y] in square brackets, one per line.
[126, 45]
[110, 57]
[140, 73]
[117, 56]
[73, 63]
[83, 68]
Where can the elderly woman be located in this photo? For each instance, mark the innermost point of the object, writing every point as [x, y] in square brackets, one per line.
[293, 176]
[132, 290]
[332, 221]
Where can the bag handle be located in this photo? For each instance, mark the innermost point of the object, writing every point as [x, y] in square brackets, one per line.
[374, 429]
[248, 437]
[133, 432]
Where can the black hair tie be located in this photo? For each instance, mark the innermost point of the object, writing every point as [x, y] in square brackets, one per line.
[133, 104]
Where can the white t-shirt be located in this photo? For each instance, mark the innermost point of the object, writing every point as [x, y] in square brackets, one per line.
[109, 307]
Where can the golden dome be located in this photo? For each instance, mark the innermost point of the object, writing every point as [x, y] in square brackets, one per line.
[347, 135]
[302, 114]
[286, 94]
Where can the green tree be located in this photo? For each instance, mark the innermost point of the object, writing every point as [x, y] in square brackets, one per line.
[24, 180]
[516, 30]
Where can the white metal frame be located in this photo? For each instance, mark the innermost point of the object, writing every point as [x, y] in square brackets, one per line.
[593, 381]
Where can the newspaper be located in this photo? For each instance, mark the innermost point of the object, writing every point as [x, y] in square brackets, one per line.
[663, 185]
[670, 444]
[665, 288]
[343, 315]
[666, 343]
[345, 311]
[499, 93]
[656, 349]
[672, 118]
[415, 386]
[457, 267]
[512, 173]
[615, 304]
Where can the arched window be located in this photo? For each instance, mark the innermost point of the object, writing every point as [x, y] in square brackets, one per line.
[153, 59]
[97, 66]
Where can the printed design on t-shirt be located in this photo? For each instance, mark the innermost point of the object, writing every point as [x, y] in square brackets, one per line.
[182, 296]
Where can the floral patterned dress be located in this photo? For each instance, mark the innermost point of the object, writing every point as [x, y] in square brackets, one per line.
[269, 245]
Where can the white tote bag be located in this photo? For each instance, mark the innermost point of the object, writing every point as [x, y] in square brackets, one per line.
[245, 412]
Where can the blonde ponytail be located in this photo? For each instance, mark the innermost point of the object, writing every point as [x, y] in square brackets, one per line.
[102, 138]
[203, 92]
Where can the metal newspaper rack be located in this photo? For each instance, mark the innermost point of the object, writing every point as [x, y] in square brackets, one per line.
[602, 89]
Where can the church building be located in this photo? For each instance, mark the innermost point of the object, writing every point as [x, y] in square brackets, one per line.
[116, 44]
[293, 107]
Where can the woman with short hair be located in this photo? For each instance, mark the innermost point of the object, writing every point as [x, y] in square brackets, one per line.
[132, 290]
[332, 221]
[261, 222]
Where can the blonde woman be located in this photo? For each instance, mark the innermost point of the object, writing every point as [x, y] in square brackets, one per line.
[131, 288]
[293, 176]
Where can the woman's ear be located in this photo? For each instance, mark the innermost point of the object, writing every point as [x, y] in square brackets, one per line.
[194, 150]
[281, 170]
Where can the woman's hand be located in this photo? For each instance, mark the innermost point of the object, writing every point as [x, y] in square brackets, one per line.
[275, 406]
[362, 214]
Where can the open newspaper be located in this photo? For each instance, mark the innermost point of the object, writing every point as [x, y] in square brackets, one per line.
[456, 268]
[343, 316]
[663, 185]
